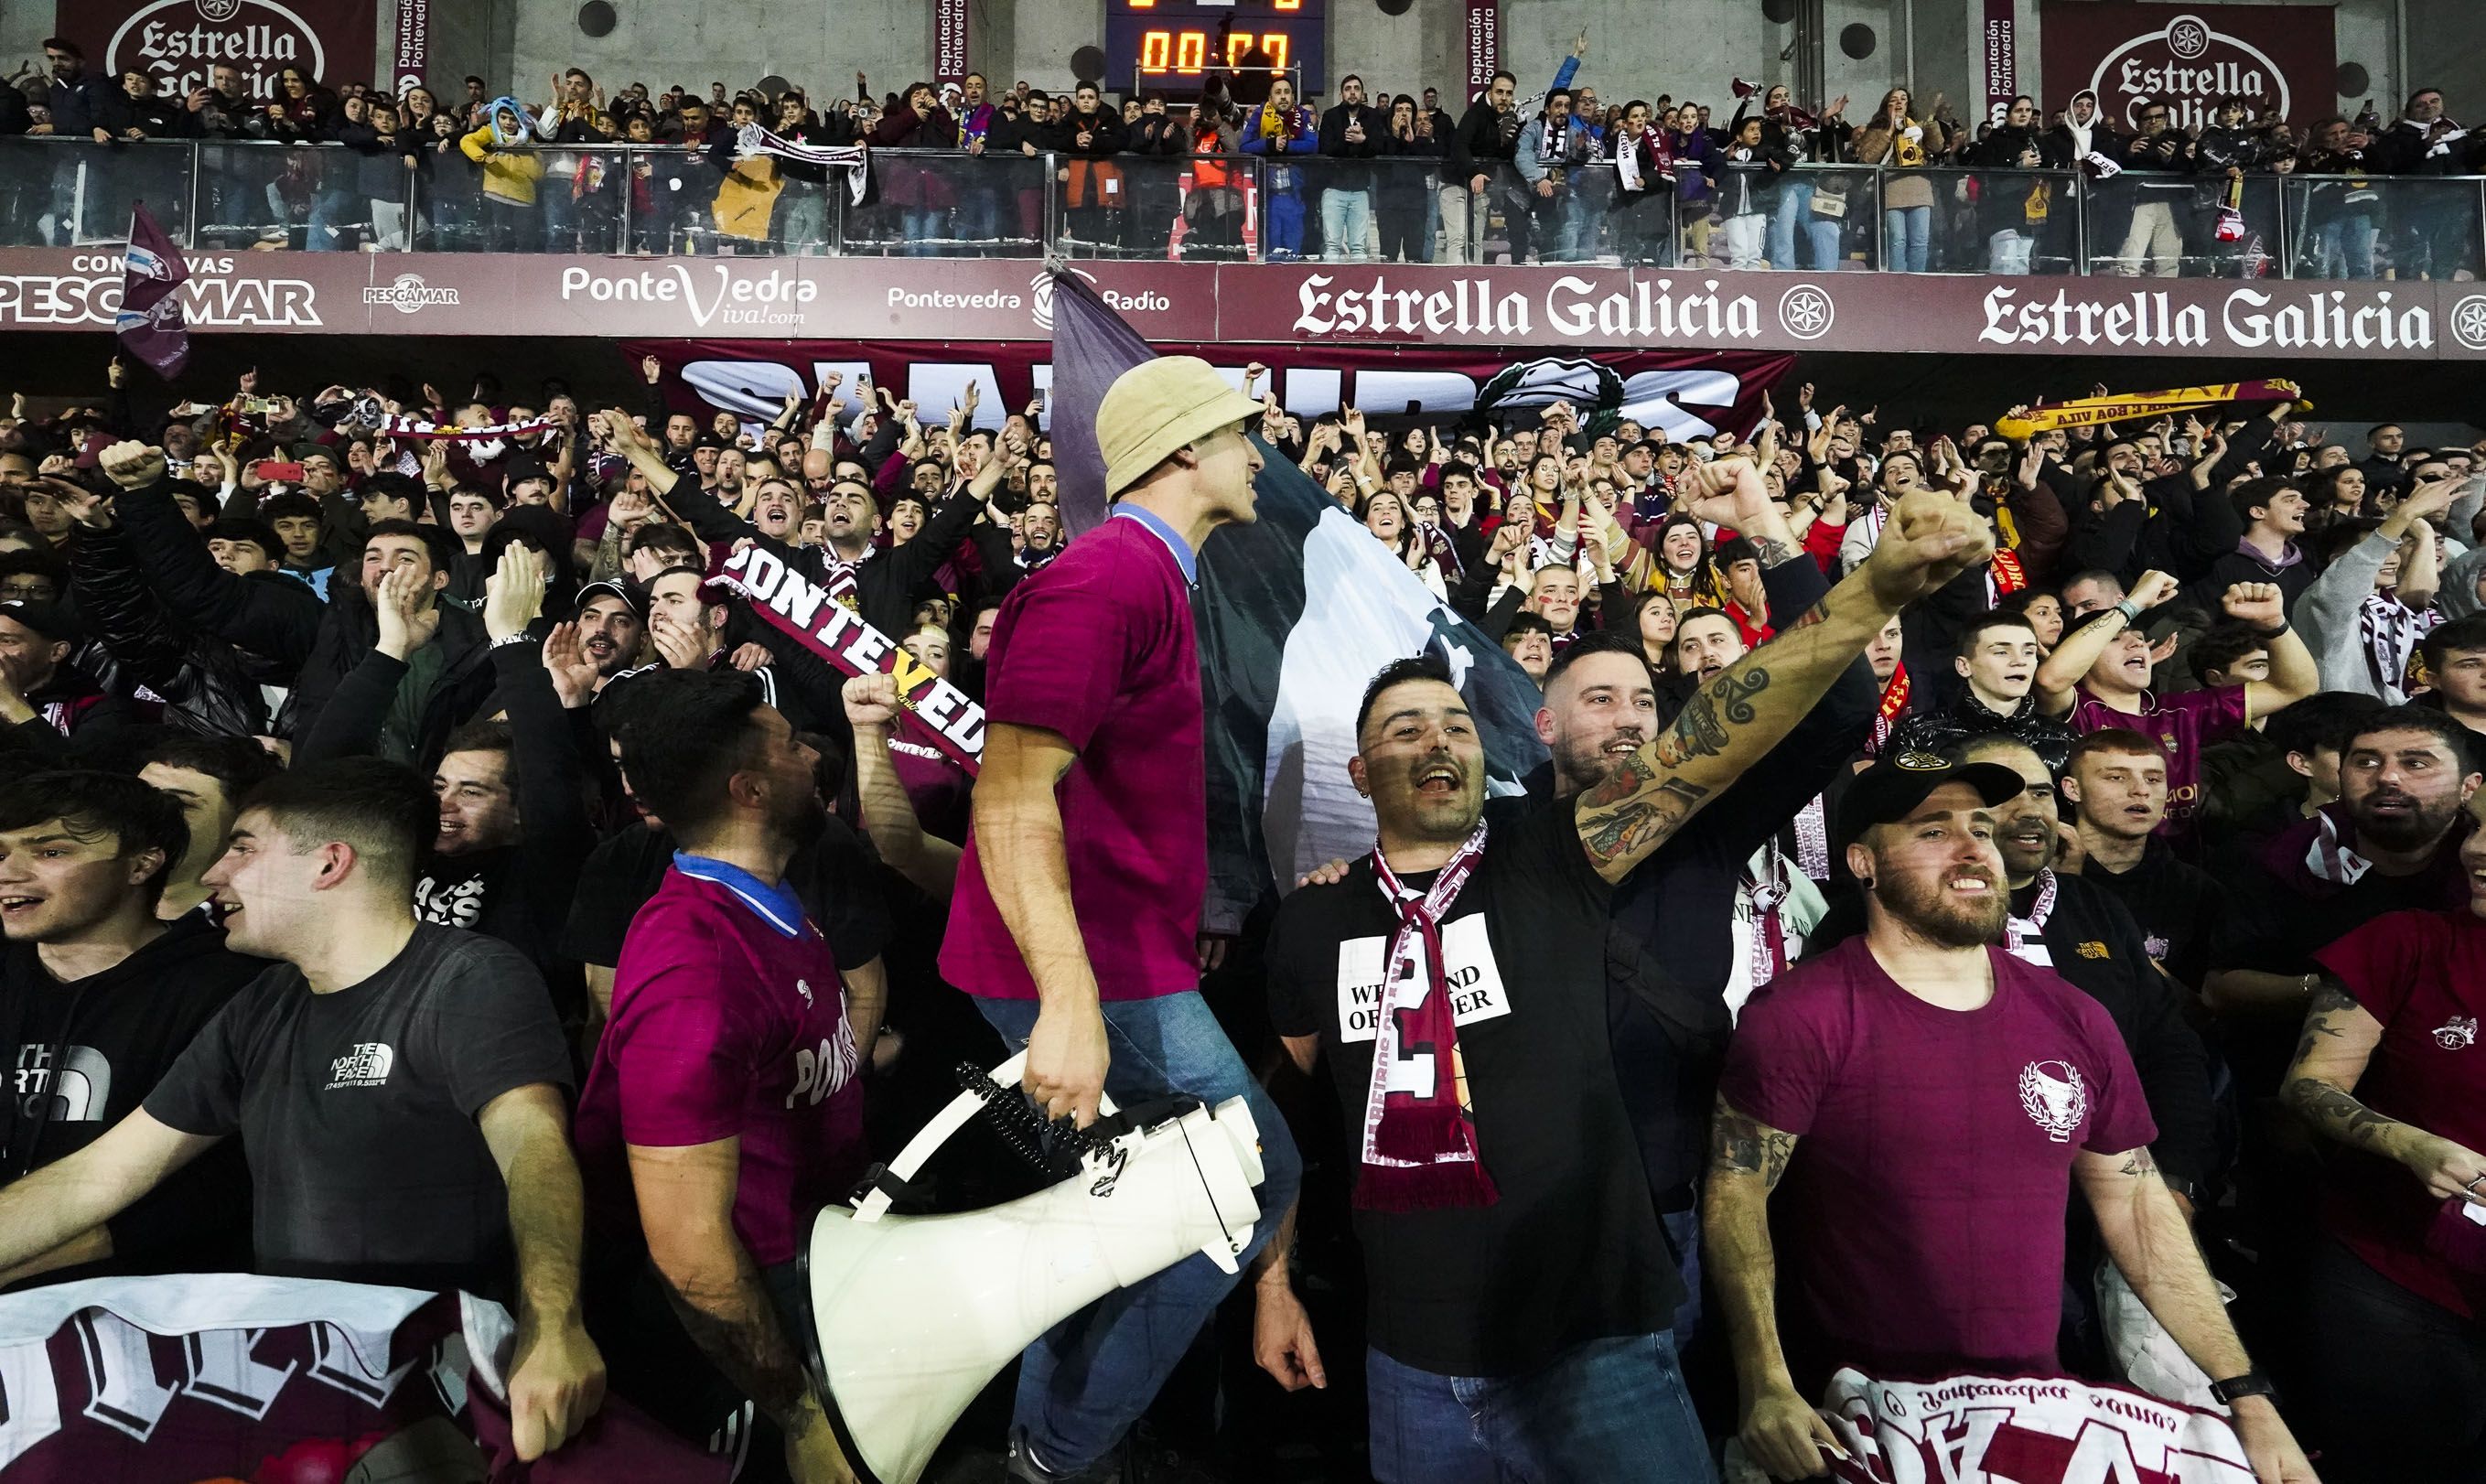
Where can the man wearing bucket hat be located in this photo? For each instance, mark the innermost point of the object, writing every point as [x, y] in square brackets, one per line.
[1078, 910]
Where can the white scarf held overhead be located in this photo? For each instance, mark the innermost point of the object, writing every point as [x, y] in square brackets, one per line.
[854, 159]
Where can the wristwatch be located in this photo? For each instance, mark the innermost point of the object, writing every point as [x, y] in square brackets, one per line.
[2236, 1387]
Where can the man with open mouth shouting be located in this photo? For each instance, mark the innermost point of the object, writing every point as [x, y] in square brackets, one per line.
[1457, 980]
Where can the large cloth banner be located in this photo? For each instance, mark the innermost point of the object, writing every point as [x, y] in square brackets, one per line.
[2190, 57]
[1981, 1430]
[1675, 393]
[227, 1377]
[180, 42]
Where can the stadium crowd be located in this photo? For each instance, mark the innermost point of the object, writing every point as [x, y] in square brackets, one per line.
[1561, 175]
[329, 754]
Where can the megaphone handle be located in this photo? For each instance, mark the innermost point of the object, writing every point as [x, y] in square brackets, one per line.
[961, 1111]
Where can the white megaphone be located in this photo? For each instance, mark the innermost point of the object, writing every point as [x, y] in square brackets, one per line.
[913, 1315]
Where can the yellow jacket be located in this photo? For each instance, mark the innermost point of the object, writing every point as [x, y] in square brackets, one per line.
[508, 175]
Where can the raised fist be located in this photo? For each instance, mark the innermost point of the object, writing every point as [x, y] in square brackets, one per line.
[133, 465]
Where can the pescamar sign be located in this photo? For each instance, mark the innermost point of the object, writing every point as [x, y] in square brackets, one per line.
[180, 43]
[2190, 56]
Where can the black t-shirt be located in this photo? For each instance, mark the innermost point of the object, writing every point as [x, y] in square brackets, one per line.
[837, 876]
[2179, 906]
[356, 1110]
[1572, 1249]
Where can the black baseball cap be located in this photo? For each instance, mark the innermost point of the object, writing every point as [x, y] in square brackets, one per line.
[1889, 791]
[50, 620]
[632, 596]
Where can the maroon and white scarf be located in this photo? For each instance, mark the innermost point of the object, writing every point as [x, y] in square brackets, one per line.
[1420, 1146]
[2390, 634]
[838, 575]
[1769, 886]
[2021, 936]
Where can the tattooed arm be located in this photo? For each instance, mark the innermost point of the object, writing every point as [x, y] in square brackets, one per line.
[1783, 1433]
[2339, 1039]
[1742, 713]
[686, 1208]
[2146, 1235]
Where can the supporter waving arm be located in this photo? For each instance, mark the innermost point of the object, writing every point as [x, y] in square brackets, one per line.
[2293, 675]
[889, 816]
[1743, 712]
[278, 619]
[2072, 658]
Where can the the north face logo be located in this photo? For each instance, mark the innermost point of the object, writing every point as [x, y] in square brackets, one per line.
[367, 1065]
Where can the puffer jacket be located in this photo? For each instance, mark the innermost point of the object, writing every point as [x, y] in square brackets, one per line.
[206, 684]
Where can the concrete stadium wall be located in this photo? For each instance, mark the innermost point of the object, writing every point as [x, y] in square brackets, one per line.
[1686, 48]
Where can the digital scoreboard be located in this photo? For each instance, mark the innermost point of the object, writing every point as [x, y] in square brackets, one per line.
[1174, 45]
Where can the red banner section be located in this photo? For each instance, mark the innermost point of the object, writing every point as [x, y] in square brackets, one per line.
[178, 42]
[1688, 394]
[2285, 55]
[1324, 307]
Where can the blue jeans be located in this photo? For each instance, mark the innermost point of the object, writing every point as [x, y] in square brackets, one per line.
[1346, 216]
[1609, 1411]
[2347, 248]
[1285, 227]
[560, 214]
[332, 212]
[1905, 229]
[1683, 1230]
[1794, 218]
[922, 225]
[1087, 1380]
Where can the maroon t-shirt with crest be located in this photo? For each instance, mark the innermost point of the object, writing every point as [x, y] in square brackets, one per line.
[1920, 1225]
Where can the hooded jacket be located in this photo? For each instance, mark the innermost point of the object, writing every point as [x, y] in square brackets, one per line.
[81, 1055]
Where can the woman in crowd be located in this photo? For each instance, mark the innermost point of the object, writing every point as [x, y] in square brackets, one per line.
[1644, 188]
[1899, 142]
[2013, 208]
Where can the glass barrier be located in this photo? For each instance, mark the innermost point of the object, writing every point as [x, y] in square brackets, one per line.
[2369, 226]
[663, 200]
[73, 192]
[2007, 222]
[1390, 208]
[942, 203]
[2145, 224]
[1183, 207]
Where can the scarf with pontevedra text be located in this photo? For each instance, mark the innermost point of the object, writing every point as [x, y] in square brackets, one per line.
[1419, 1144]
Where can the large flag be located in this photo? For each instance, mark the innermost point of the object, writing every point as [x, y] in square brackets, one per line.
[150, 320]
[1297, 611]
[227, 1377]
[2023, 1430]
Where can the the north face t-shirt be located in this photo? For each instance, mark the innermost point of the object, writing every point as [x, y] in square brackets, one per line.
[1919, 1227]
[356, 1110]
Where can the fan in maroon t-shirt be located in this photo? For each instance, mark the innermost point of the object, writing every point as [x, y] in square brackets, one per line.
[2391, 1067]
[2098, 677]
[1929, 1098]
[723, 1110]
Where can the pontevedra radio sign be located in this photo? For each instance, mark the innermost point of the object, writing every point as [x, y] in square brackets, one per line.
[2190, 56]
[180, 43]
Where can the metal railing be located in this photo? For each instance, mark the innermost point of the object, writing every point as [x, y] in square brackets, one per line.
[662, 199]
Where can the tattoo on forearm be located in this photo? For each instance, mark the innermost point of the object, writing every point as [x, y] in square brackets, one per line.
[2329, 999]
[1740, 1144]
[1702, 729]
[1774, 552]
[2340, 1115]
[2139, 1164]
[1639, 823]
[736, 1330]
